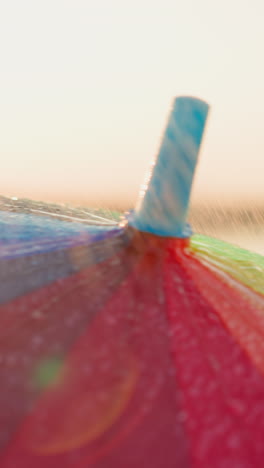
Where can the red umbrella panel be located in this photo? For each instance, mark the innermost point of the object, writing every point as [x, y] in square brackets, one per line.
[122, 347]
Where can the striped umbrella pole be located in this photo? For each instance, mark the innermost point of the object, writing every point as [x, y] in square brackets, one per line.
[163, 203]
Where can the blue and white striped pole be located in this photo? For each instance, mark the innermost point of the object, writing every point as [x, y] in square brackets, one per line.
[163, 206]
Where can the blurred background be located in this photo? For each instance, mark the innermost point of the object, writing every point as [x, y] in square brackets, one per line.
[86, 87]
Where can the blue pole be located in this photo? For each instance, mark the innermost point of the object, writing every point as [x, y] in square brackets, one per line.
[163, 204]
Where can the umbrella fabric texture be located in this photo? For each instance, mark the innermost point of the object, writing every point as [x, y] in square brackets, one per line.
[131, 345]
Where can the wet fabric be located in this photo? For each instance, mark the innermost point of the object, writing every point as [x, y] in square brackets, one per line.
[128, 349]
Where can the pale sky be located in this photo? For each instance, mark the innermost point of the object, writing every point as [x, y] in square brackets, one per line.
[86, 87]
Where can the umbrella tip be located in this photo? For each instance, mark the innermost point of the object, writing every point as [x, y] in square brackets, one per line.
[163, 203]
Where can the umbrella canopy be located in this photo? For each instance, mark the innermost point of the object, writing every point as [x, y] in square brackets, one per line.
[131, 345]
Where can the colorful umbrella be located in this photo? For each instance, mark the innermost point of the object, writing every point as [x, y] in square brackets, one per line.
[131, 345]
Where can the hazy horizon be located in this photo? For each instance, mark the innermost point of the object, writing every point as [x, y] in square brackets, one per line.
[130, 202]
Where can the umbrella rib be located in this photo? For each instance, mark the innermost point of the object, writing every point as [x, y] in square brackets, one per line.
[56, 215]
[109, 221]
